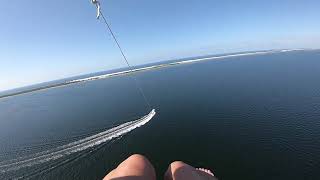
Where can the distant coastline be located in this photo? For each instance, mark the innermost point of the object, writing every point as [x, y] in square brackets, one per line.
[91, 77]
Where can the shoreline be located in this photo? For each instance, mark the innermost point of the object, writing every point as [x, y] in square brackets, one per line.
[151, 67]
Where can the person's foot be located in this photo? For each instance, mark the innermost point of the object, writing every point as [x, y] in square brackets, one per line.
[136, 167]
[179, 170]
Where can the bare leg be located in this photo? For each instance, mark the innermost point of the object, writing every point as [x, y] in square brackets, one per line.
[136, 167]
[178, 170]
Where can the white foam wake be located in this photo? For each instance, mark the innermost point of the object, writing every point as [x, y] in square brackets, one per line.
[180, 62]
[76, 146]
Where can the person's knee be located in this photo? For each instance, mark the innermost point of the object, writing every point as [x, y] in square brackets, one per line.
[178, 164]
[136, 166]
[179, 170]
[137, 162]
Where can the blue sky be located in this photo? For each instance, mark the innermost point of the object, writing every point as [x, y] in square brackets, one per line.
[47, 40]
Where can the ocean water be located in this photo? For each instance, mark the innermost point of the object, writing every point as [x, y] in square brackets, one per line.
[254, 116]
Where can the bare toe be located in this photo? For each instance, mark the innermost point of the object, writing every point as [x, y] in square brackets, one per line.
[207, 171]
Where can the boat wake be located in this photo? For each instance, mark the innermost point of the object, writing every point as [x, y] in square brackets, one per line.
[77, 146]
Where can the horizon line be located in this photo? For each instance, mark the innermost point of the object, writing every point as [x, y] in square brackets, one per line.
[143, 67]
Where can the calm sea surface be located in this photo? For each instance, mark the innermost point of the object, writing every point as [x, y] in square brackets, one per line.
[249, 117]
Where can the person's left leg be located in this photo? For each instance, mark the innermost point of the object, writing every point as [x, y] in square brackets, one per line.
[136, 167]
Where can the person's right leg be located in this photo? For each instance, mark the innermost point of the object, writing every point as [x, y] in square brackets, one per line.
[136, 167]
[179, 170]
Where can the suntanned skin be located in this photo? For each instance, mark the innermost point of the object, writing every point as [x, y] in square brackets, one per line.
[138, 167]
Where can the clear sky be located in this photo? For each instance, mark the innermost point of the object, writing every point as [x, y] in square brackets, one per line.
[53, 39]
